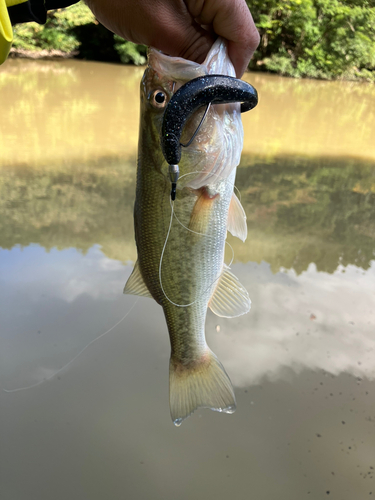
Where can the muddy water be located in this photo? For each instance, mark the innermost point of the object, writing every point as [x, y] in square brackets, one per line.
[95, 423]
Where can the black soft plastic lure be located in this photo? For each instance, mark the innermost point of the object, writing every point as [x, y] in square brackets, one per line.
[201, 91]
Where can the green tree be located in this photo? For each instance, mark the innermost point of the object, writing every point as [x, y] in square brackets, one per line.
[316, 38]
[75, 31]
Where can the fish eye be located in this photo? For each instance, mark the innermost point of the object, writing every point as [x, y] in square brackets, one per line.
[158, 99]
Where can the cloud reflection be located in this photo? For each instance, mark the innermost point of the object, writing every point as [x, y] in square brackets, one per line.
[65, 275]
[314, 320]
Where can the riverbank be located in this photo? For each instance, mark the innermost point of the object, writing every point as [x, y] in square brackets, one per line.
[43, 54]
[302, 39]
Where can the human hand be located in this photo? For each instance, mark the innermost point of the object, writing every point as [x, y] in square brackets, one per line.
[183, 28]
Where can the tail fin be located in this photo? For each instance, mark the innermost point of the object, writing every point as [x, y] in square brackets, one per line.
[202, 384]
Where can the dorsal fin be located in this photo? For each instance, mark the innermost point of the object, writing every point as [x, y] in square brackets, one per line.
[237, 219]
[230, 298]
[135, 284]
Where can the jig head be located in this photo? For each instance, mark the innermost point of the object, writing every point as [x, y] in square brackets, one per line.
[201, 91]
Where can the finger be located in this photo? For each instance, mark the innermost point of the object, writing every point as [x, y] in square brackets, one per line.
[181, 35]
[232, 20]
[184, 39]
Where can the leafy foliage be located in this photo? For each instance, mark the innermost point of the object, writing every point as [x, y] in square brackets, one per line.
[75, 30]
[57, 33]
[316, 38]
[130, 52]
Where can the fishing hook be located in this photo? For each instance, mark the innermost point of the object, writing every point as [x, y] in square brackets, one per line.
[197, 129]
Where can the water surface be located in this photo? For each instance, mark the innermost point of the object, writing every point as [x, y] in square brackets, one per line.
[302, 361]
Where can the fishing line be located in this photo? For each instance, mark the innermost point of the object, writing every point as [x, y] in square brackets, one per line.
[173, 214]
[75, 357]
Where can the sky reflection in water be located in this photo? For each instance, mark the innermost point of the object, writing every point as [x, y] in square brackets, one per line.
[313, 320]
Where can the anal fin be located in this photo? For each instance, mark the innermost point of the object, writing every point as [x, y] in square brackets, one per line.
[136, 285]
[230, 298]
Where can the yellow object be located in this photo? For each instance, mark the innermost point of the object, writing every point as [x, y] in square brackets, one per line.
[14, 2]
[6, 32]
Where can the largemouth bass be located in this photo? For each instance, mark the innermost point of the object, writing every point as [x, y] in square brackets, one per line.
[181, 244]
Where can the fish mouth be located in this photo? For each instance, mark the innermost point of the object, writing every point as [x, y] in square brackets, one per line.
[201, 91]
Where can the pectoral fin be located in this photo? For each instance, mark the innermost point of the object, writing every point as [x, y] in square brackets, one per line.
[237, 219]
[202, 210]
[136, 285]
[230, 298]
